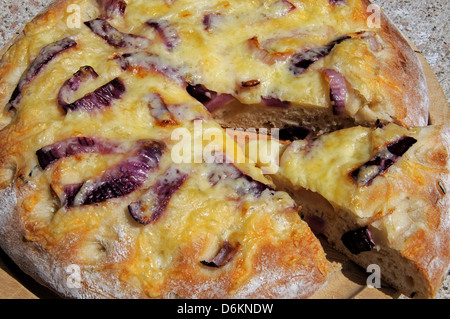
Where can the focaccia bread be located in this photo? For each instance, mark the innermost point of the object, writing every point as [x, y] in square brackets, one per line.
[112, 161]
[102, 196]
[379, 195]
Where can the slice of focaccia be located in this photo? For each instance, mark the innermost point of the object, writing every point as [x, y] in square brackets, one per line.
[379, 195]
[323, 64]
[112, 165]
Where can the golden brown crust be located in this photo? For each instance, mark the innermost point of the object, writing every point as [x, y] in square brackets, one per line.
[411, 99]
[429, 248]
[287, 267]
[403, 84]
[292, 268]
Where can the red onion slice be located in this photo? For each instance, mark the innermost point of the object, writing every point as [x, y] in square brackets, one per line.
[265, 55]
[223, 257]
[289, 5]
[300, 62]
[221, 171]
[401, 146]
[275, 102]
[159, 110]
[47, 53]
[150, 207]
[72, 85]
[211, 20]
[210, 99]
[338, 90]
[358, 240]
[336, 2]
[317, 224]
[372, 42]
[70, 191]
[114, 37]
[73, 146]
[219, 101]
[166, 31]
[201, 93]
[100, 98]
[364, 174]
[150, 62]
[120, 180]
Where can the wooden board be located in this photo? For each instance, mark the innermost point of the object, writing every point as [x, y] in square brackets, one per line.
[346, 279]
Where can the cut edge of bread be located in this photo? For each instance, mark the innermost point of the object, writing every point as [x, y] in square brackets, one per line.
[396, 270]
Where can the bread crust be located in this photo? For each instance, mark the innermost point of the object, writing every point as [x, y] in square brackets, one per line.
[423, 185]
[429, 248]
[411, 103]
[274, 274]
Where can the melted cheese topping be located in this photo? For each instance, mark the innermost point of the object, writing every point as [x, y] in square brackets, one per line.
[325, 165]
